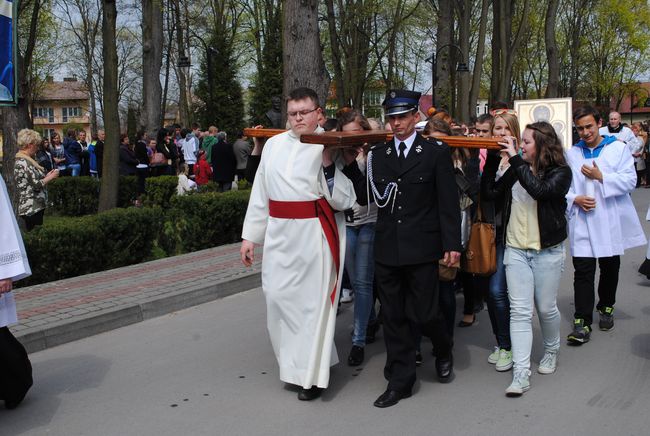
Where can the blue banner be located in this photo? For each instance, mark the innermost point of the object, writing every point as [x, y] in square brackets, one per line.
[7, 73]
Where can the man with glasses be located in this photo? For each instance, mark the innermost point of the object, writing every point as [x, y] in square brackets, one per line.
[417, 225]
[297, 190]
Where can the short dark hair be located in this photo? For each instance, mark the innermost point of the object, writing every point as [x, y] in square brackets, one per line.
[485, 118]
[303, 93]
[71, 133]
[499, 105]
[330, 124]
[585, 111]
[195, 126]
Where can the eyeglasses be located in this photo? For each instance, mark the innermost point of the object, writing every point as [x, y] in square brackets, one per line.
[302, 113]
[504, 111]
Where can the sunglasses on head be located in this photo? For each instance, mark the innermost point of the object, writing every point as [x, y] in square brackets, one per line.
[504, 111]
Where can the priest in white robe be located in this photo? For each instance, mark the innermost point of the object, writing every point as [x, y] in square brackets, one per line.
[602, 220]
[297, 188]
[15, 369]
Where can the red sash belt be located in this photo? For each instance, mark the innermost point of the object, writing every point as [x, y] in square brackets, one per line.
[320, 209]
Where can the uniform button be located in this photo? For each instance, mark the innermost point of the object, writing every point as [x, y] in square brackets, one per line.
[399, 221]
[399, 192]
[399, 207]
[399, 180]
[420, 178]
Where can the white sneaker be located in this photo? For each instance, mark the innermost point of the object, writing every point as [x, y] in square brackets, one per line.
[505, 360]
[520, 383]
[346, 295]
[548, 364]
[494, 356]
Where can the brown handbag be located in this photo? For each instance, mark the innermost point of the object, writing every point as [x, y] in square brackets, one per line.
[480, 257]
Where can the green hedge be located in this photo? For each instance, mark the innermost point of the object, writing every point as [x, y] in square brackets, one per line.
[72, 246]
[78, 196]
[159, 190]
[198, 221]
[82, 245]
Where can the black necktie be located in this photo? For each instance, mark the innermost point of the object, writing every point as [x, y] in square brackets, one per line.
[402, 152]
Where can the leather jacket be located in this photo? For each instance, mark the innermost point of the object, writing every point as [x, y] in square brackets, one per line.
[548, 189]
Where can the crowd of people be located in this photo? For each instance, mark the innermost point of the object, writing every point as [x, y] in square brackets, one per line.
[195, 156]
[387, 227]
[398, 249]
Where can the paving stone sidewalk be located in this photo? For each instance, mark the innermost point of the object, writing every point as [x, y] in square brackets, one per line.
[57, 312]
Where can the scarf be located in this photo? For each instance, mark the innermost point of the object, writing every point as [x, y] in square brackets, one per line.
[615, 130]
[589, 153]
[30, 160]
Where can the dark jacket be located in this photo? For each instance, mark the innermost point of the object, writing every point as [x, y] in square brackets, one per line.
[425, 221]
[72, 151]
[141, 152]
[128, 161]
[548, 189]
[224, 163]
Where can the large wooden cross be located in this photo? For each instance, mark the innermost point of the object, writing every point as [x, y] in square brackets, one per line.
[354, 139]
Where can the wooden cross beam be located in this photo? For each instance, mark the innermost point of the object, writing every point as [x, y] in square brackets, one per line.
[354, 139]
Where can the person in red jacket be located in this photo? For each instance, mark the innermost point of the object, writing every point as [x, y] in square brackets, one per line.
[202, 170]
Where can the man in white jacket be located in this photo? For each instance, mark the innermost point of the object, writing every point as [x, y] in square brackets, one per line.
[602, 220]
[297, 190]
[616, 129]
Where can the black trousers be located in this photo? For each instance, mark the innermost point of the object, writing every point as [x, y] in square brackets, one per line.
[409, 302]
[15, 369]
[34, 220]
[584, 283]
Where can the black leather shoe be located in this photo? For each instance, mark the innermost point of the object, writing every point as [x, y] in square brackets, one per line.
[309, 394]
[356, 356]
[445, 369]
[390, 398]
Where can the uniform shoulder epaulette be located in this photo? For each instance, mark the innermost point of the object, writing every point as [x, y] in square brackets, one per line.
[436, 142]
[379, 145]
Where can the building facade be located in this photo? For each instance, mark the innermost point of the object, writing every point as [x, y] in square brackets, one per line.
[61, 105]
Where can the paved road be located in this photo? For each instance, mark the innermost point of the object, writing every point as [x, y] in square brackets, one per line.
[210, 370]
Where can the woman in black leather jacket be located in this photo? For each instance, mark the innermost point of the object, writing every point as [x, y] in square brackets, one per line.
[533, 194]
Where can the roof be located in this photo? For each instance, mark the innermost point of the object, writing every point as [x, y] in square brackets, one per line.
[66, 90]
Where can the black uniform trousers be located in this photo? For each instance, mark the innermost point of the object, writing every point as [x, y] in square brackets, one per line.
[583, 284]
[409, 298]
[15, 369]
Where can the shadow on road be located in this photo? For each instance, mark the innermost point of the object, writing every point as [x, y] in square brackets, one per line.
[72, 374]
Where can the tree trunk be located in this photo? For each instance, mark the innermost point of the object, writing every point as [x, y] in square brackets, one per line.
[480, 52]
[335, 47]
[552, 52]
[17, 117]
[110, 170]
[303, 58]
[184, 106]
[442, 91]
[152, 51]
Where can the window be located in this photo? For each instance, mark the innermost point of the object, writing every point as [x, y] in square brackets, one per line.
[47, 133]
[43, 112]
[71, 112]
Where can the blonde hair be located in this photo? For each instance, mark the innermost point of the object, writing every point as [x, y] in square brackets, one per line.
[512, 122]
[184, 169]
[28, 137]
[212, 129]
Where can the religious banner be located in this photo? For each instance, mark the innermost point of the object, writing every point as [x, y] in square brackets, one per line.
[556, 111]
[7, 52]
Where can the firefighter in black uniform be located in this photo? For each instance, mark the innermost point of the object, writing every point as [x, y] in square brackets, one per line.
[412, 181]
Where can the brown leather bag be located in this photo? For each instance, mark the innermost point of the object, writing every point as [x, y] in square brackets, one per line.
[480, 257]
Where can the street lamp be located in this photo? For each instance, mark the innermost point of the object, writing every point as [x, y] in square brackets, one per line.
[460, 68]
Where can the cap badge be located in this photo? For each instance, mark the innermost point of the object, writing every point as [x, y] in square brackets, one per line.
[418, 149]
[392, 94]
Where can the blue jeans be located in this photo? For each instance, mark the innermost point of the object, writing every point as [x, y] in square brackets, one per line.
[533, 277]
[498, 303]
[360, 265]
[75, 169]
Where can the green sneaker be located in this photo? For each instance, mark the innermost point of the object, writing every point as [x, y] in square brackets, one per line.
[606, 322]
[520, 383]
[494, 356]
[505, 360]
[580, 333]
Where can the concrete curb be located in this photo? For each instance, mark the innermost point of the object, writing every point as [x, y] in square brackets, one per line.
[53, 334]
